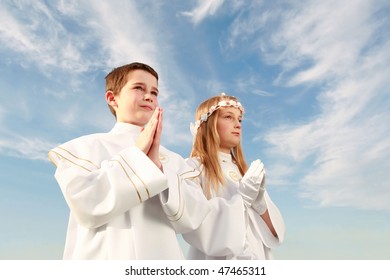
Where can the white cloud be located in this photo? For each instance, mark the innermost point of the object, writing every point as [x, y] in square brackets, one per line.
[341, 154]
[78, 36]
[69, 42]
[346, 145]
[141, 41]
[69, 7]
[329, 36]
[204, 9]
[12, 34]
[313, 41]
[20, 146]
[35, 32]
[251, 83]
[175, 114]
[124, 34]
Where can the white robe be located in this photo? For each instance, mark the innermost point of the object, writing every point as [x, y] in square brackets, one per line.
[121, 205]
[258, 238]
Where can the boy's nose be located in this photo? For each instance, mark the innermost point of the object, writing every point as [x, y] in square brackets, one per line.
[148, 97]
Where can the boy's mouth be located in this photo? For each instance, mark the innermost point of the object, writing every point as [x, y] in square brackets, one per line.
[146, 107]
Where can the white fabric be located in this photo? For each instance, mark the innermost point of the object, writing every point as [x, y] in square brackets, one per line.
[258, 239]
[251, 185]
[121, 205]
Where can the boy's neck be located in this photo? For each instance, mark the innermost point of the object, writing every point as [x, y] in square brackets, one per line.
[130, 123]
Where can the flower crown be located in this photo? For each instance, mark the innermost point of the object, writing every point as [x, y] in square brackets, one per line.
[205, 116]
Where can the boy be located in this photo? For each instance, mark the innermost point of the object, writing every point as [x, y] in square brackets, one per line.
[116, 183]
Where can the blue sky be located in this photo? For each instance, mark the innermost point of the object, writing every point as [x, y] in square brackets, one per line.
[313, 77]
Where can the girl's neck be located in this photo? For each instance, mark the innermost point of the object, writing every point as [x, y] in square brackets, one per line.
[224, 150]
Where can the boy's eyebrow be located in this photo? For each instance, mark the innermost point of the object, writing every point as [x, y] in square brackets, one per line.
[143, 84]
[138, 83]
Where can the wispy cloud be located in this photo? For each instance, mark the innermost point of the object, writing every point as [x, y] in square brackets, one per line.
[251, 83]
[204, 9]
[71, 43]
[31, 148]
[328, 37]
[34, 32]
[340, 155]
[128, 36]
[141, 41]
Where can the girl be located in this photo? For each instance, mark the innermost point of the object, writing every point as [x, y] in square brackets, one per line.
[218, 155]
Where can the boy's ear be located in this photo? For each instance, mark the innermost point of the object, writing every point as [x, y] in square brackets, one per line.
[110, 98]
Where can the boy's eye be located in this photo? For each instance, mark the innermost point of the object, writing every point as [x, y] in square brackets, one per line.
[155, 93]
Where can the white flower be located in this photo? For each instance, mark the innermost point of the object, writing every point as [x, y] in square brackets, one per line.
[223, 103]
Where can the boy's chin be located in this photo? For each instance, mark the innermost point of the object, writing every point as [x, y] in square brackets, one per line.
[141, 123]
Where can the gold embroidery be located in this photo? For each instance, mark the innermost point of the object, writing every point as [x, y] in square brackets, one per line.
[69, 160]
[181, 204]
[193, 170]
[234, 176]
[146, 188]
[60, 155]
[51, 159]
[78, 157]
[163, 158]
[135, 187]
[180, 211]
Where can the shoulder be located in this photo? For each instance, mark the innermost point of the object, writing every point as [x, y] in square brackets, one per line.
[194, 162]
[84, 141]
[81, 147]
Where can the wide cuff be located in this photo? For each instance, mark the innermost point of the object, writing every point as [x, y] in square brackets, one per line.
[146, 178]
[184, 202]
[261, 228]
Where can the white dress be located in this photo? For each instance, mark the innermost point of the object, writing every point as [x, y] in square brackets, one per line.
[121, 205]
[258, 240]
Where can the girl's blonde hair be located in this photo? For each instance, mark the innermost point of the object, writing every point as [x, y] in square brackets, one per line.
[206, 147]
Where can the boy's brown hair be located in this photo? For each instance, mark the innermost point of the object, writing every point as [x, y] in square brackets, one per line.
[117, 78]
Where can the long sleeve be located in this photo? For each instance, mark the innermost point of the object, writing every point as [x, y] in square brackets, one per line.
[96, 192]
[260, 228]
[183, 202]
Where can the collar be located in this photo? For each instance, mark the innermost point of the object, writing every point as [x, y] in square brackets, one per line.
[225, 157]
[121, 127]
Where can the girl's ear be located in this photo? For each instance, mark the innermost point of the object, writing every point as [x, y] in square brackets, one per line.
[111, 99]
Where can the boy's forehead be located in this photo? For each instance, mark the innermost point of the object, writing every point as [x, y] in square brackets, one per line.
[141, 76]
